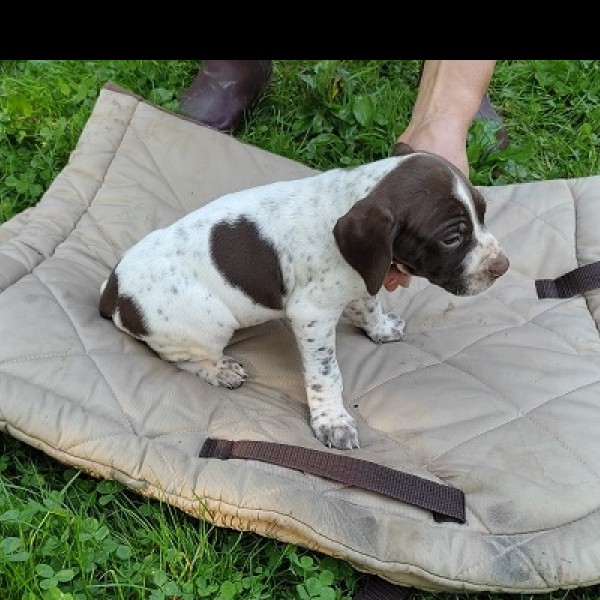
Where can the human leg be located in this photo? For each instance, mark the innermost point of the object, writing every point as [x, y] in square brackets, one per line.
[451, 94]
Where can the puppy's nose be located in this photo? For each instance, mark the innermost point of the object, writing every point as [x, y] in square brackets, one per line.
[499, 265]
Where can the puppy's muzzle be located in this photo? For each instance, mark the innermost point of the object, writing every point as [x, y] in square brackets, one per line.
[491, 268]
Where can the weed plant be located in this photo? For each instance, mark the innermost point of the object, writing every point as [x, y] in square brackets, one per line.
[65, 535]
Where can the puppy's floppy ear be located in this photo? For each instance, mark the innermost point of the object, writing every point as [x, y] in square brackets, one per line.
[364, 236]
[401, 148]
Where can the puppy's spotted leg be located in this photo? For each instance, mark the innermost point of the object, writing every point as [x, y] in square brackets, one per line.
[366, 313]
[329, 419]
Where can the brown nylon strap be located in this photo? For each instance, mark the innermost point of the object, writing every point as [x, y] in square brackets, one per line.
[446, 502]
[579, 280]
[375, 588]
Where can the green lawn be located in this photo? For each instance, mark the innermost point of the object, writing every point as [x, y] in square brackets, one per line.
[66, 535]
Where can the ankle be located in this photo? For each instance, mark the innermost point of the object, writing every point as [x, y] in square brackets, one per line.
[445, 135]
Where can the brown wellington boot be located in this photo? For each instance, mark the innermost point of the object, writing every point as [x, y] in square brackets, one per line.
[487, 111]
[224, 89]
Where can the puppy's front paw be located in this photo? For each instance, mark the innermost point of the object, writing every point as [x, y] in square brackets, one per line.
[390, 328]
[337, 431]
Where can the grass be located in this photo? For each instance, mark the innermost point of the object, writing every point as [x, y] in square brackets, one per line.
[66, 535]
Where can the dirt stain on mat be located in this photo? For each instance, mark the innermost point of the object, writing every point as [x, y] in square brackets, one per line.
[500, 514]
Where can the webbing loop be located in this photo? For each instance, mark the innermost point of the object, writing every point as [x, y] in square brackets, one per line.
[446, 502]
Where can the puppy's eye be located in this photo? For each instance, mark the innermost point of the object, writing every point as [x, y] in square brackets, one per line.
[455, 236]
[452, 240]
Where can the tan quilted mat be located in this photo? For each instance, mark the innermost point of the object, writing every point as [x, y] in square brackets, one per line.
[498, 395]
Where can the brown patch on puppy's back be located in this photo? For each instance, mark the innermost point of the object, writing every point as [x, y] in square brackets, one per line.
[248, 261]
[129, 312]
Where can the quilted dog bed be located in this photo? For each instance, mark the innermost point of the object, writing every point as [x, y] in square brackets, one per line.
[496, 395]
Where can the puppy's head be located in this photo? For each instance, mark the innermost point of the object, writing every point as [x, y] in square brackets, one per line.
[426, 216]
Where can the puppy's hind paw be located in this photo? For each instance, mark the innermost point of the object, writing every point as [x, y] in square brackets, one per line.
[337, 433]
[389, 329]
[225, 372]
[230, 373]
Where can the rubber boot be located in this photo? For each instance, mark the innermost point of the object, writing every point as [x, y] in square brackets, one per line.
[487, 111]
[224, 90]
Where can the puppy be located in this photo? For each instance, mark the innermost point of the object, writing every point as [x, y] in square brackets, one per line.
[307, 250]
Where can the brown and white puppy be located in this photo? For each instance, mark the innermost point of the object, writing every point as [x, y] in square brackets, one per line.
[307, 250]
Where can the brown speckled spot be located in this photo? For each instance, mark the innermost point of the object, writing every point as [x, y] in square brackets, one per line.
[248, 261]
